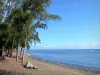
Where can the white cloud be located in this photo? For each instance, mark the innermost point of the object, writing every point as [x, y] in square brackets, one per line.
[47, 46]
[93, 45]
[96, 45]
[72, 45]
[82, 45]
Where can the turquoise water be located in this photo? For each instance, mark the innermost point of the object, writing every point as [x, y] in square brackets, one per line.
[88, 59]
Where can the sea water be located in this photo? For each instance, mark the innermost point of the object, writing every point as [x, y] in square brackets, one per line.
[88, 59]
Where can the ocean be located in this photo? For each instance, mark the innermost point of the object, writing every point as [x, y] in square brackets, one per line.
[87, 59]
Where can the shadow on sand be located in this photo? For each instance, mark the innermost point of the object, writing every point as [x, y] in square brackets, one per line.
[4, 72]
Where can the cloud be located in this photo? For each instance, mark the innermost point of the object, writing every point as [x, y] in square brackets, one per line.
[82, 45]
[72, 45]
[96, 45]
[69, 46]
[93, 45]
[47, 46]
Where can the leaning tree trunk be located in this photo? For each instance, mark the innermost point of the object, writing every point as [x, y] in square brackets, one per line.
[17, 54]
[24, 53]
[8, 52]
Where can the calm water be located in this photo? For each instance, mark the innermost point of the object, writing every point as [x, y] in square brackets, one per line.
[79, 58]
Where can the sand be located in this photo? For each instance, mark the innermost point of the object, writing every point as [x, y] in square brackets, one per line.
[44, 68]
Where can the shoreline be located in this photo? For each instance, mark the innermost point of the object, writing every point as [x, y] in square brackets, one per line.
[44, 68]
[62, 65]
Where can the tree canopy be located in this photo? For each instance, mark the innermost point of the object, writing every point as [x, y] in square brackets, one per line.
[19, 20]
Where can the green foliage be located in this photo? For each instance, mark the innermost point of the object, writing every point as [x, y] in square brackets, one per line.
[7, 6]
[4, 33]
[23, 18]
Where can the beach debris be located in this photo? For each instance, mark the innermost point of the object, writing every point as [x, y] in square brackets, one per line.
[30, 65]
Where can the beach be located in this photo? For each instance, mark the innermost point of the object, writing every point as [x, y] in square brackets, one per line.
[44, 68]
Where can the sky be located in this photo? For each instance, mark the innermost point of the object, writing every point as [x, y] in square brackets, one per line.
[79, 26]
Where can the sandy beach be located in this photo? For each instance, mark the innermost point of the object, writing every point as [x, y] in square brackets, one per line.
[44, 68]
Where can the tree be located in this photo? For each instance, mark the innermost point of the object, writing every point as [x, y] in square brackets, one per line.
[4, 36]
[23, 20]
[6, 8]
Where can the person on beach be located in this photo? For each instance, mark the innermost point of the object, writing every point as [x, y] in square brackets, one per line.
[61, 62]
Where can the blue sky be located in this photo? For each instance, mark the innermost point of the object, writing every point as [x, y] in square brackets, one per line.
[79, 26]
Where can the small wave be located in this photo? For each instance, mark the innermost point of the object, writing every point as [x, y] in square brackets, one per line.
[28, 54]
[92, 51]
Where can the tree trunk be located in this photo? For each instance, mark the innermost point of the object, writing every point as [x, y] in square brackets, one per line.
[24, 53]
[12, 47]
[3, 51]
[17, 54]
[8, 52]
[21, 53]
[11, 53]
